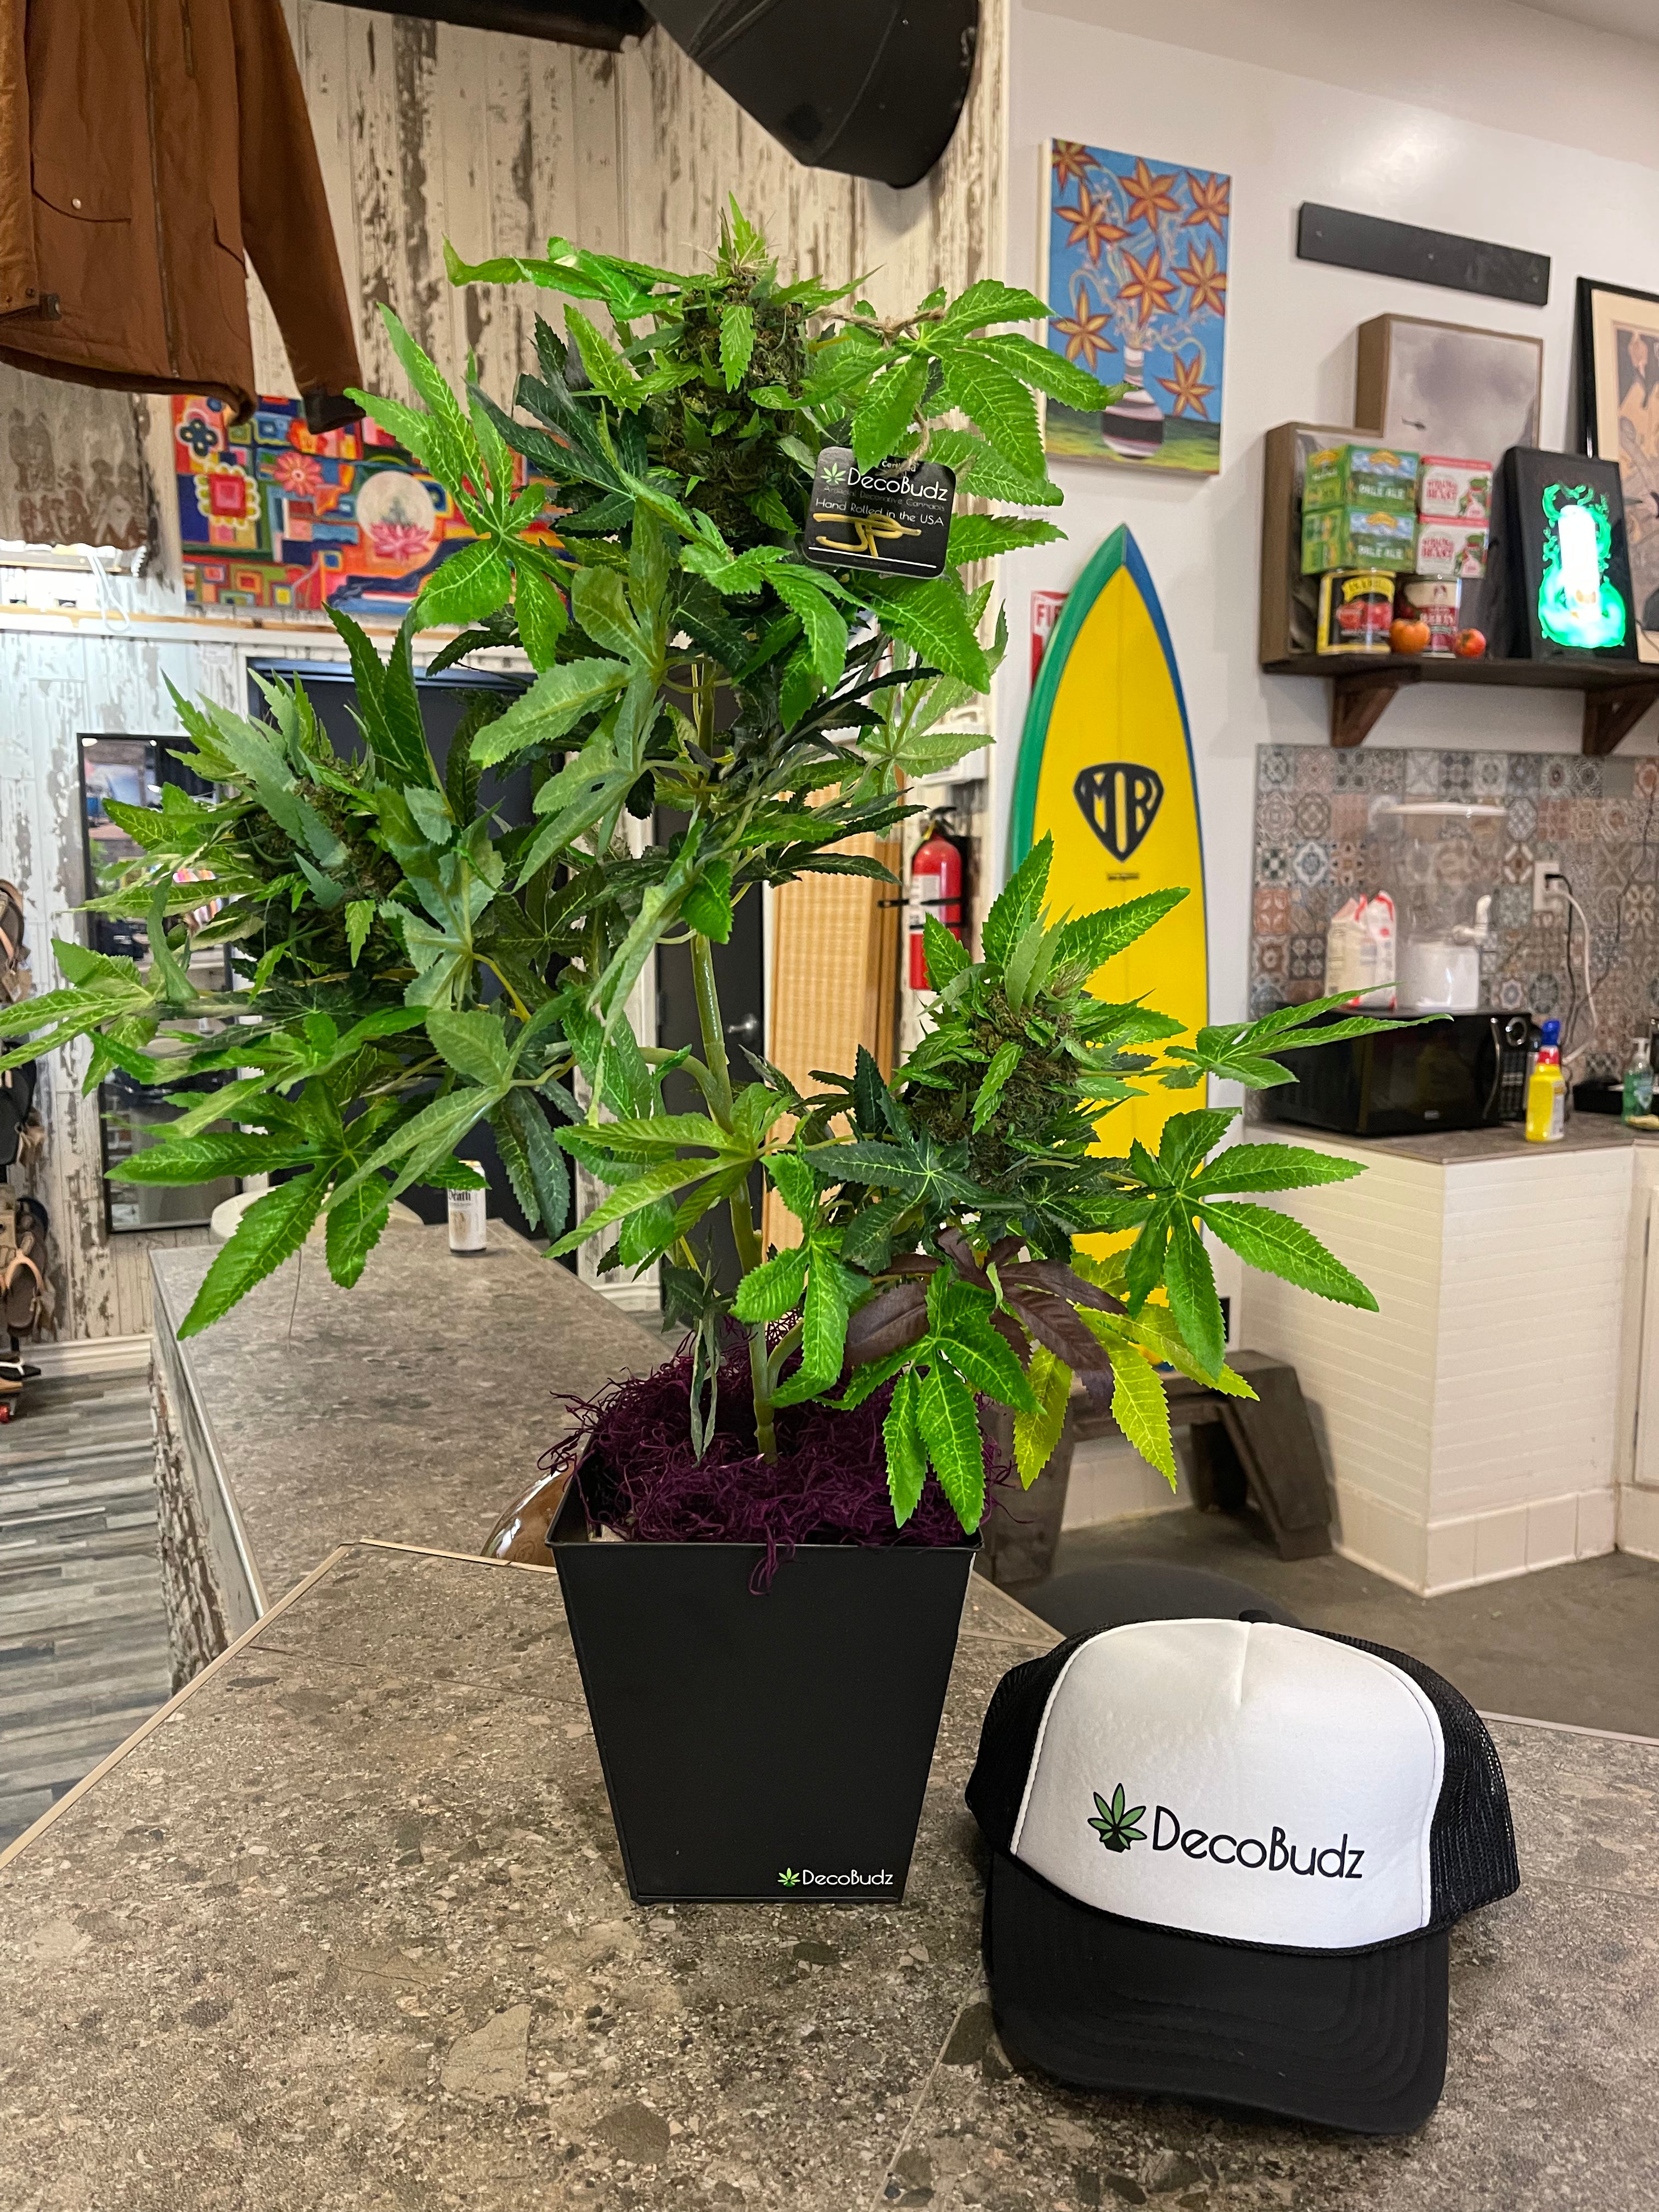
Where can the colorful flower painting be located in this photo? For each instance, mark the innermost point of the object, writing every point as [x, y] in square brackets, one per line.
[1137, 292]
[273, 515]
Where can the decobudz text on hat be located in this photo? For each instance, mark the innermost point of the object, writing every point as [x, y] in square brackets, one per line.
[1278, 1855]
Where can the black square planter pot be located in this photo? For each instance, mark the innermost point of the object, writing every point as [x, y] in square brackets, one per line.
[759, 1747]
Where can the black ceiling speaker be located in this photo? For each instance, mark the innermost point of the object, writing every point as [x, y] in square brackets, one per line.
[870, 88]
[603, 24]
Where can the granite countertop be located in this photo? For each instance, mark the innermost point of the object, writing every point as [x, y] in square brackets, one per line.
[1585, 1133]
[346, 1927]
[414, 1407]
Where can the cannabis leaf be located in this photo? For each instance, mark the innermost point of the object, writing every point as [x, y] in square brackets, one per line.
[789, 1878]
[1116, 1824]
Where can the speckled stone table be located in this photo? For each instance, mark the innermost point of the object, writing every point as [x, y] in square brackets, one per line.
[414, 1407]
[346, 1927]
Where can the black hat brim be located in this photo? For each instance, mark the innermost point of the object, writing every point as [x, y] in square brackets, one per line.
[1349, 2039]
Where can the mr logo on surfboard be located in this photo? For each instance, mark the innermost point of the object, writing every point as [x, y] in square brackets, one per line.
[1120, 801]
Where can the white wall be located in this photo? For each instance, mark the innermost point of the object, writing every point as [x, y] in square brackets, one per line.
[1484, 124]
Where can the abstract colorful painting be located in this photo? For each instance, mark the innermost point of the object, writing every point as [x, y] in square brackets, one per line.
[274, 515]
[1137, 291]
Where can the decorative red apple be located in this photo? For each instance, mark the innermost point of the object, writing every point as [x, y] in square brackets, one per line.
[1469, 644]
[1409, 634]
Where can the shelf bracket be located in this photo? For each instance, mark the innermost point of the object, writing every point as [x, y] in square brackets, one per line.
[1359, 699]
[1611, 715]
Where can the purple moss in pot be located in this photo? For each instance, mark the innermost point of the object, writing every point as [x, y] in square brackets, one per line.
[638, 1474]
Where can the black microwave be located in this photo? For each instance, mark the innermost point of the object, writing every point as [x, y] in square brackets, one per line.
[1461, 1071]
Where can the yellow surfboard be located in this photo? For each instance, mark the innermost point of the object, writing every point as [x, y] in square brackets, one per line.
[1106, 767]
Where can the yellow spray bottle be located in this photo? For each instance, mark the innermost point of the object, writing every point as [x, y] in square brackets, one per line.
[1547, 1091]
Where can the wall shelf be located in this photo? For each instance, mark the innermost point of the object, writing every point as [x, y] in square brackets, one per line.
[1617, 693]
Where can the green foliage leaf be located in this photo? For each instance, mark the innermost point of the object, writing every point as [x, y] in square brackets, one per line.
[906, 1455]
[1037, 1432]
[552, 707]
[946, 954]
[997, 402]
[989, 301]
[737, 341]
[474, 1044]
[949, 1422]
[643, 1189]
[774, 1289]
[1273, 1167]
[205, 1159]
[467, 587]
[1141, 1408]
[883, 414]
[984, 537]
[607, 371]
[933, 618]
[1281, 1246]
[1189, 1281]
[541, 613]
[1004, 1061]
[1094, 939]
[359, 921]
[353, 1230]
[1050, 372]
[271, 1230]
[1019, 902]
[981, 472]
[549, 1170]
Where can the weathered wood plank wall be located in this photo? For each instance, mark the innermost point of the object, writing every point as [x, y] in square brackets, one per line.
[427, 131]
[424, 131]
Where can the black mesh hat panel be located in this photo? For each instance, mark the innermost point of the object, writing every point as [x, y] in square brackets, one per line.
[1008, 1739]
[1472, 1858]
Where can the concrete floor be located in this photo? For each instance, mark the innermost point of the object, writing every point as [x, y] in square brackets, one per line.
[1578, 1644]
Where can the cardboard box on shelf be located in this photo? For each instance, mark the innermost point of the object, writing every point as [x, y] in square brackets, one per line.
[1360, 476]
[1450, 549]
[1356, 538]
[1454, 491]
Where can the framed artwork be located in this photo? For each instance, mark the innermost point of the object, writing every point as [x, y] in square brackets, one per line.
[1446, 388]
[1618, 335]
[1135, 277]
[272, 514]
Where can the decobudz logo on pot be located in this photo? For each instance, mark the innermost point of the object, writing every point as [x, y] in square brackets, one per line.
[811, 1878]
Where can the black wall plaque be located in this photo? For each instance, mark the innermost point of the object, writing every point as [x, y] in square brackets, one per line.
[1346, 240]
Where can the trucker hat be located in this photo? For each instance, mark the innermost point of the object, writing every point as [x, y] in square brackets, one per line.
[1224, 1857]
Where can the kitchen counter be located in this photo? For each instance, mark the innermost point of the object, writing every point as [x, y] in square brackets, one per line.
[344, 1929]
[1484, 1421]
[1585, 1133]
[414, 1407]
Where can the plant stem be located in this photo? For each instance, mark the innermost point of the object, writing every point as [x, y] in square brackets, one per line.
[743, 1233]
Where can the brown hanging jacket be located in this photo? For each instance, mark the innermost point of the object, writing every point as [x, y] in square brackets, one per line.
[149, 150]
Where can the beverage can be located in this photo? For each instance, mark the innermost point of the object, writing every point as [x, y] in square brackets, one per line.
[467, 1218]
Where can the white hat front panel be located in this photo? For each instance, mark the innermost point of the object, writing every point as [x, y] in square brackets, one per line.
[1240, 1779]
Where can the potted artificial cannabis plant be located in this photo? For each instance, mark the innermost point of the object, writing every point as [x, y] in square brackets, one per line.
[766, 1656]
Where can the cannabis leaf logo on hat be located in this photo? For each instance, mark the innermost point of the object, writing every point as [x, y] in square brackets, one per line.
[1116, 1826]
[790, 1879]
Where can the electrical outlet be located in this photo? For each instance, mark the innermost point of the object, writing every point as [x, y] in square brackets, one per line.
[1547, 896]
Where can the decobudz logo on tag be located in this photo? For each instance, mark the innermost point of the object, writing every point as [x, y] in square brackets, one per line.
[811, 1878]
[1116, 1825]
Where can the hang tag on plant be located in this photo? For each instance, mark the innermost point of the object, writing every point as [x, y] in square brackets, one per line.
[895, 519]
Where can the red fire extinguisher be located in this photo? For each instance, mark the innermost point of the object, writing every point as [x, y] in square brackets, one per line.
[935, 889]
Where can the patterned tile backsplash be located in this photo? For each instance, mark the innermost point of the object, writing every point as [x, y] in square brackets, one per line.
[1597, 819]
